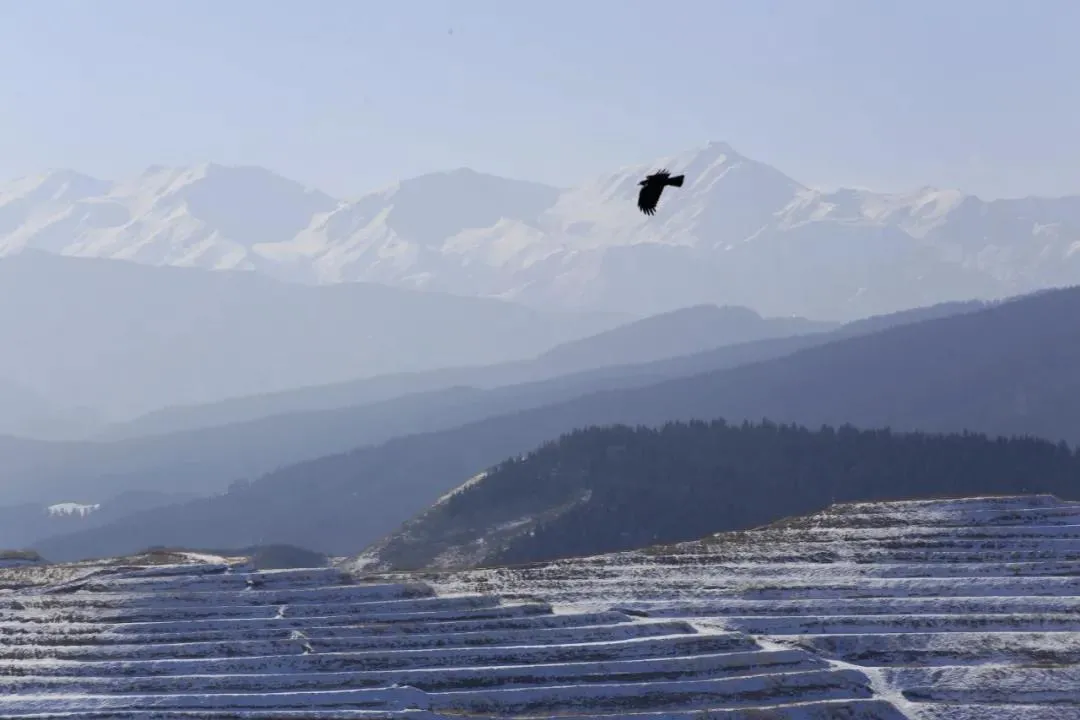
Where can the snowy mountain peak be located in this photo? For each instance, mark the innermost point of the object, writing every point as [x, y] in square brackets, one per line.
[431, 209]
[720, 146]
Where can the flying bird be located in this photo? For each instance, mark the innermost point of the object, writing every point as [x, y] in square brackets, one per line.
[652, 186]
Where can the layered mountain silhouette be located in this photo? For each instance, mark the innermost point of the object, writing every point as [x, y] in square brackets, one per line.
[204, 458]
[1005, 369]
[664, 336]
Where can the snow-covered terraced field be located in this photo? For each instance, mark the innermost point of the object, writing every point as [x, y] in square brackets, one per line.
[937, 610]
[955, 610]
[185, 636]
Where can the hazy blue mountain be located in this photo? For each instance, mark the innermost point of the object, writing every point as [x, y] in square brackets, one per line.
[207, 460]
[668, 335]
[26, 413]
[126, 338]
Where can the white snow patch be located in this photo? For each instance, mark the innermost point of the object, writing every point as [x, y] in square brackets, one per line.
[70, 508]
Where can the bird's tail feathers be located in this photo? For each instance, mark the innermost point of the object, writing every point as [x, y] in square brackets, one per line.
[676, 180]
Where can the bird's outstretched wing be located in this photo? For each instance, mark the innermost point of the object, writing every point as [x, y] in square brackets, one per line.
[648, 197]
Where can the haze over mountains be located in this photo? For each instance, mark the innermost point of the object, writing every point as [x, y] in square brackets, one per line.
[1008, 368]
[210, 451]
[738, 233]
[212, 446]
[461, 318]
[125, 339]
[667, 335]
[286, 354]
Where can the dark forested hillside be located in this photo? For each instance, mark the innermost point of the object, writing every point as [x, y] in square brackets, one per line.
[618, 488]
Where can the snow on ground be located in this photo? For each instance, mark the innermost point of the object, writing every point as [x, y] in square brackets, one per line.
[70, 508]
[940, 610]
[172, 635]
[952, 608]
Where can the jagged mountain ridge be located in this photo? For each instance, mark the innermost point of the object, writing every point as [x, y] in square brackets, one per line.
[740, 232]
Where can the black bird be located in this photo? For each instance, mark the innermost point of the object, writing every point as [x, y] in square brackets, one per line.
[652, 186]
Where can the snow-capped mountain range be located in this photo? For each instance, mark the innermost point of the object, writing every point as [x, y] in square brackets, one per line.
[739, 232]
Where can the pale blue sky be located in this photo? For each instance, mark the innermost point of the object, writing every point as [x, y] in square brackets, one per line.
[351, 95]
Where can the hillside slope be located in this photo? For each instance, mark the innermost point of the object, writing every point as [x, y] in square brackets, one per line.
[609, 489]
[1008, 369]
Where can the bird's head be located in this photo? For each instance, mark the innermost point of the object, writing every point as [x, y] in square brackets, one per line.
[655, 177]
